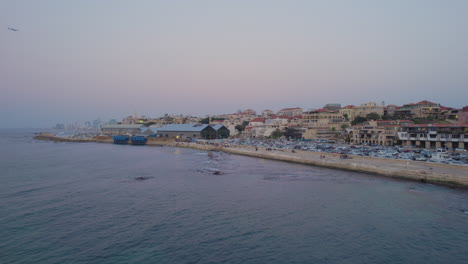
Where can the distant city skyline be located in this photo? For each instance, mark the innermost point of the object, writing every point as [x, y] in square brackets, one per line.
[86, 59]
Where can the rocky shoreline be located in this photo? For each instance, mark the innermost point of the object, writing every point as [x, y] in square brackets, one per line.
[443, 174]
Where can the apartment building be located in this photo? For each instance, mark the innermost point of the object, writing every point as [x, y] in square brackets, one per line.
[291, 112]
[435, 135]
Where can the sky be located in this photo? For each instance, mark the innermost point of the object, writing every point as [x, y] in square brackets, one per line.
[73, 61]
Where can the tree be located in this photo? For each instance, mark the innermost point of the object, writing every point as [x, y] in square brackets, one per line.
[207, 120]
[387, 117]
[344, 126]
[346, 116]
[149, 124]
[373, 116]
[276, 134]
[240, 128]
[358, 119]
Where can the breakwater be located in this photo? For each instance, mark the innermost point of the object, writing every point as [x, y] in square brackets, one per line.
[437, 173]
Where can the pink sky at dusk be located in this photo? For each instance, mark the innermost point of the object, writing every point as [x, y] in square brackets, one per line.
[77, 61]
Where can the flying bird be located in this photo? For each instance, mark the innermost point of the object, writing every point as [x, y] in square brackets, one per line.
[13, 29]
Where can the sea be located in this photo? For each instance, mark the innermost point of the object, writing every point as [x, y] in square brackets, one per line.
[105, 203]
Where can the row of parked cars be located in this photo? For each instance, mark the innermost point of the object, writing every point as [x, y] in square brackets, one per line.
[457, 156]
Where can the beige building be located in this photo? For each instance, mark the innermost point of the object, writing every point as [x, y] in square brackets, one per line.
[347, 111]
[421, 109]
[121, 129]
[462, 116]
[364, 109]
[264, 131]
[320, 133]
[384, 133]
[267, 113]
[324, 118]
[435, 135]
[291, 112]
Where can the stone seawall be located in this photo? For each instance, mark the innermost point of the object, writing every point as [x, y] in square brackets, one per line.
[437, 173]
[52, 137]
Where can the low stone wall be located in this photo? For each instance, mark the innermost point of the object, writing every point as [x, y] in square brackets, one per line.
[52, 137]
[159, 141]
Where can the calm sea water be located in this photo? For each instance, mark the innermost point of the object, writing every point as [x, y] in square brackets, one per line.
[81, 203]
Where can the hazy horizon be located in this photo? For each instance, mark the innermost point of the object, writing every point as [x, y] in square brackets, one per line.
[77, 61]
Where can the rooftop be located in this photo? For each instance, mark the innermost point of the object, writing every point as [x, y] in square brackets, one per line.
[183, 127]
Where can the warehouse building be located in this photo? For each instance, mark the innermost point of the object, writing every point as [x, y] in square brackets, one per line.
[120, 129]
[221, 131]
[203, 131]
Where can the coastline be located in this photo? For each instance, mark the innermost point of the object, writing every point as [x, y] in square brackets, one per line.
[436, 173]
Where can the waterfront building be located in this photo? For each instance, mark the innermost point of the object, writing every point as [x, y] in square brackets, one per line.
[295, 132]
[290, 112]
[221, 131]
[229, 124]
[435, 135]
[203, 131]
[121, 129]
[149, 131]
[382, 133]
[320, 133]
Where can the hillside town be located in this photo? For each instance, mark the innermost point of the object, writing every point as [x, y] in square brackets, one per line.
[423, 124]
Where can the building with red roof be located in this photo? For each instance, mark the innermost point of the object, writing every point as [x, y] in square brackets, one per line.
[290, 112]
[422, 109]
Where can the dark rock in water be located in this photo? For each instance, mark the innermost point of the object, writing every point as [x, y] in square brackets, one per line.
[218, 173]
[141, 178]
